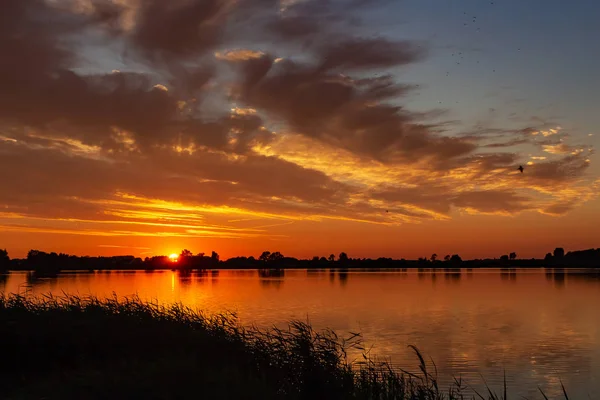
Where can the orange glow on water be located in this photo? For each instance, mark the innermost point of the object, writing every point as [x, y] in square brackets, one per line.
[470, 323]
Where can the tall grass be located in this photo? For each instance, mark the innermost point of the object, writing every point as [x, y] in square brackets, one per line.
[73, 347]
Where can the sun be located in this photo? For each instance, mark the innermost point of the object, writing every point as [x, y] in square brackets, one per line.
[173, 257]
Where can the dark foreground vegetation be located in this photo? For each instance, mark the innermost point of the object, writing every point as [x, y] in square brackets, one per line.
[74, 348]
[52, 263]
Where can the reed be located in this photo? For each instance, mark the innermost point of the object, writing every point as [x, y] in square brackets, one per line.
[72, 347]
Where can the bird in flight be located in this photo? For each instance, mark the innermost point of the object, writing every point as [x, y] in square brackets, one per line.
[520, 168]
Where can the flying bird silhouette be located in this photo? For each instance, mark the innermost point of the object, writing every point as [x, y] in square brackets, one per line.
[520, 168]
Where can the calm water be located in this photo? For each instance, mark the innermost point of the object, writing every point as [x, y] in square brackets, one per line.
[539, 325]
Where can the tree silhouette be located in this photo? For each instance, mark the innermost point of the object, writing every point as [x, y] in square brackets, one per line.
[4, 259]
[264, 257]
[275, 257]
[559, 252]
[513, 255]
[455, 258]
[214, 256]
[447, 257]
[186, 253]
[504, 257]
[343, 257]
[331, 258]
[31, 254]
[42, 262]
[433, 257]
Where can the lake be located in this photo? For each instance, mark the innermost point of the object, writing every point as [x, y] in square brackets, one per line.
[540, 326]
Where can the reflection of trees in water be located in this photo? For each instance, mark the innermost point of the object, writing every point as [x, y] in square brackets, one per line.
[214, 274]
[559, 277]
[343, 276]
[315, 271]
[186, 277]
[556, 275]
[33, 278]
[202, 275]
[271, 283]
[432, 274]
[271, 277]
[587, 275]
[271, 273]
[243, 273]
[508, 274]
[452, 275]
[3, 280]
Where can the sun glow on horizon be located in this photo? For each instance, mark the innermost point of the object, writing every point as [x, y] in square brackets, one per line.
[174, 257]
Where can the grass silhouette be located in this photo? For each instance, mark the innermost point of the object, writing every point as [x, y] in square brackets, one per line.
[72, 347]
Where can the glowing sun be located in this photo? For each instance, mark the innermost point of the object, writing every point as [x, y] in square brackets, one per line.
[173, 257]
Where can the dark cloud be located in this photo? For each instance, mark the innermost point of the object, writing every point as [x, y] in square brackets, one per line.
[312, 100]
[492, 201]
[184, 28]
[441, 199]
[37, 86]
[340, 111]
[308, 22]
[70, 138]
[295, 27]
[562, 170]
[361, 53]
[49, 176]
[31, 51]
[484, 163]
[29, 32]
[510, 143]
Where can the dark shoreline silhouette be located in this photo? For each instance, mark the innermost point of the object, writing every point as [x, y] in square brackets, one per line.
[52, 263]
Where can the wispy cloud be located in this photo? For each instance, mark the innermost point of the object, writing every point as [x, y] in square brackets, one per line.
[114, 246]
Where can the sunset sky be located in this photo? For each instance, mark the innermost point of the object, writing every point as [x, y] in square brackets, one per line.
[381, 128]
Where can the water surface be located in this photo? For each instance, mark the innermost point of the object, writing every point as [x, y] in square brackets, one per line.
[538, 325]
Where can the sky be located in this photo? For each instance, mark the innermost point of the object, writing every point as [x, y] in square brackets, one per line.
[382, 128]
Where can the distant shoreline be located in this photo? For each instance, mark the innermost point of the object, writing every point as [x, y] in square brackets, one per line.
[507, 269]
[52, 263]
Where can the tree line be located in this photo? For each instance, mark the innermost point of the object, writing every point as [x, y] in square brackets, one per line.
[49, 263]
